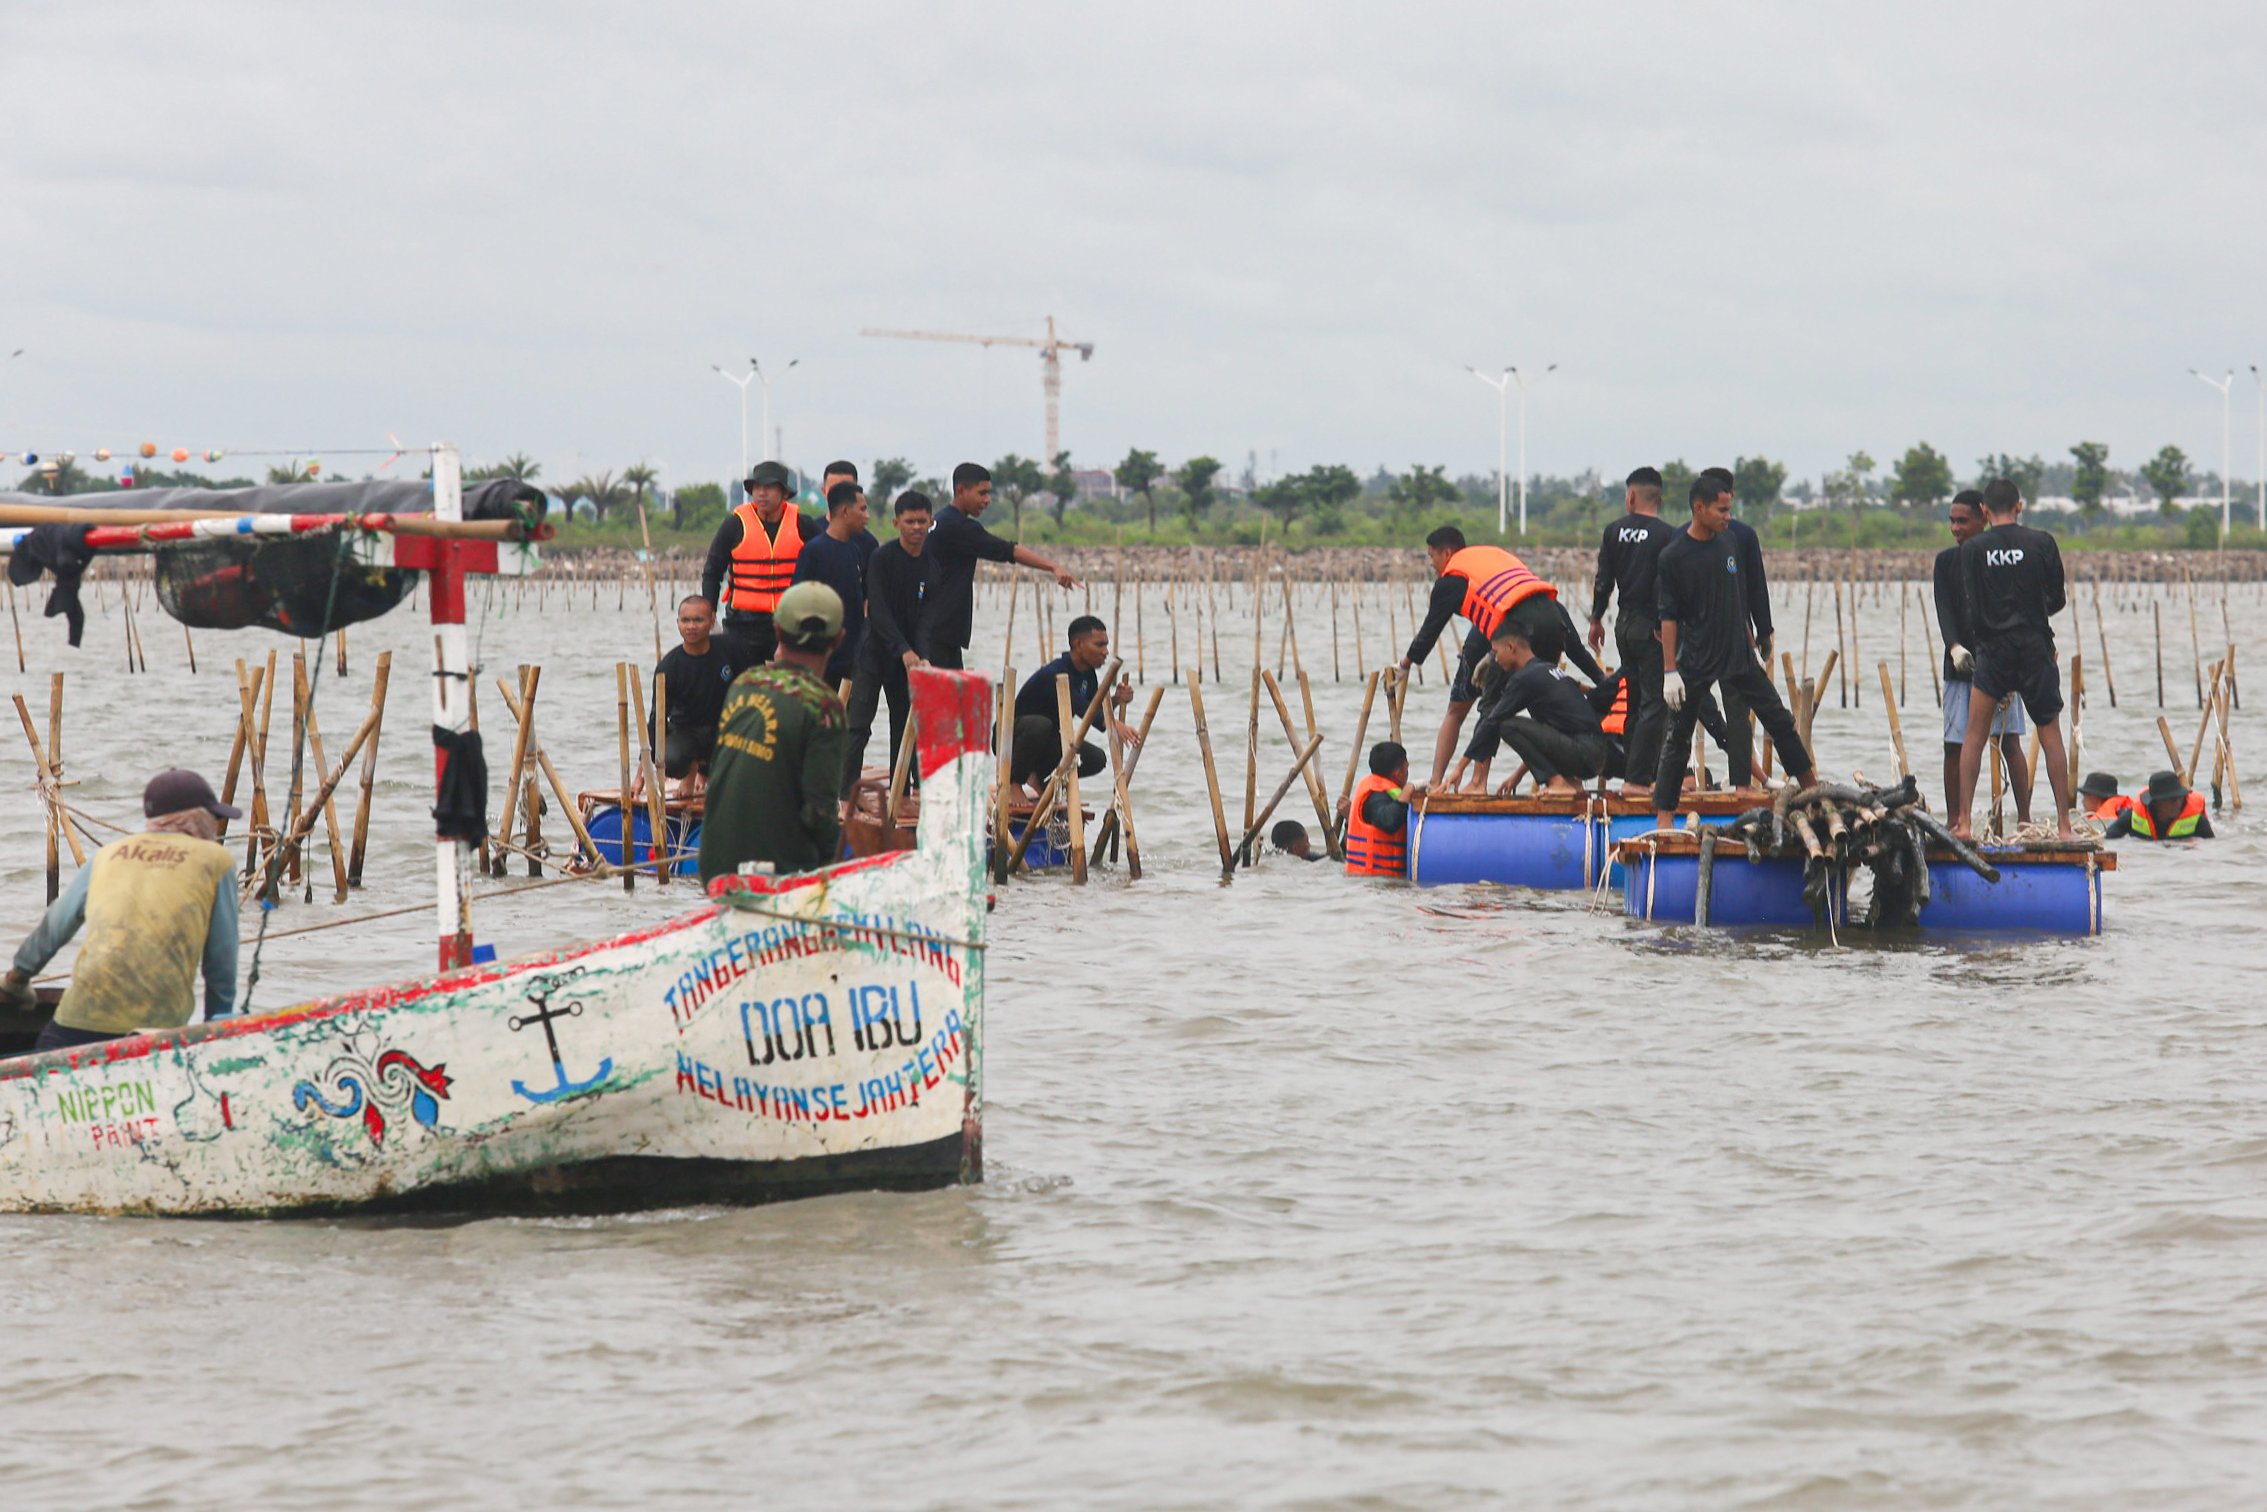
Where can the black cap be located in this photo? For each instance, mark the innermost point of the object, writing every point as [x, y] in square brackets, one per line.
[2099, 785]
[178, 790]
[2164, 787]
[770, 475]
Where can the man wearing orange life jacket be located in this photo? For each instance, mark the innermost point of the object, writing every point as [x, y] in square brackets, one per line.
[752, 559]
[1486, 584]
[2100, 798]
[1377, 815]
[2169, 810]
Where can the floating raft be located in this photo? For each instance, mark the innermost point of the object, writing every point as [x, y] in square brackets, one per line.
[681, 823]
[1547, 840]
[2048, 888]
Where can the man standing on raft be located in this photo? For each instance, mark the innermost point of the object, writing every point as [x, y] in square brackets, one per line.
[1706, 642]
[1487, 584]
[2011, 577]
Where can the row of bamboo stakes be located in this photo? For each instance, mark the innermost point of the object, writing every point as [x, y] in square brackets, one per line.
[1200, 586]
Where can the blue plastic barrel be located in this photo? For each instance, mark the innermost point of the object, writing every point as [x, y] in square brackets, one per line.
[605, 826]
[2057, 897]
[1665, 888]
[1521, 850]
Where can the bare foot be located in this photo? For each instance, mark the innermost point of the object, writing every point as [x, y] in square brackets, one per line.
[1562, 785]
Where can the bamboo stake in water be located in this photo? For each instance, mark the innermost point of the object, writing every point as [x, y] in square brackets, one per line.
[1896, 732]
[1244, 851]
[1354, 755]
[1004, 743]
[1072, 806]
[2157, 620]
[622, 672]
[1211, 773]
[1315, 790]
[369, 770]
[2102, 632]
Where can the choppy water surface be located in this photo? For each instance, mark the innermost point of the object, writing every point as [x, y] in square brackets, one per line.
[1303, 1193]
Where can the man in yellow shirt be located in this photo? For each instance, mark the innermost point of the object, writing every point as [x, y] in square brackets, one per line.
[159, 907]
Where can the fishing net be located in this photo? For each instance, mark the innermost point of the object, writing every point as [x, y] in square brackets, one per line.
[276, 582]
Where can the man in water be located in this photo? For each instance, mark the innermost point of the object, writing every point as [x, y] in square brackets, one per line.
[2169, 810]
[899, 577]
[1376, 815]
[696, 673]
[2012, 587]
[1039, 734]
[159, 909]
[960, 542]
[773, 785]
[752, 557]
[1290, 837]
[2100, 799]
[1541, 713]
[1627, 558]
[1487, 584]
[1706, 641]
[2007, 727]
[836, 556]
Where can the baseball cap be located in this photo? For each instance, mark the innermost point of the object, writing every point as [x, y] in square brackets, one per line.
[177, 790]
[808, 615]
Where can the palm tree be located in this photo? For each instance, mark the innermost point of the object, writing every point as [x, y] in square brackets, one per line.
[603, 490]
[295, 472]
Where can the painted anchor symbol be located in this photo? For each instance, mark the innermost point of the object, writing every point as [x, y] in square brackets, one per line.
[540, 994]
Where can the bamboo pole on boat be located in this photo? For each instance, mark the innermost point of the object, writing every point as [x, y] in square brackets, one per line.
[1211, 774]
[901, 770]
[1072, 805]
[1244, 850]
[1315, 789]
[379, 679]
[622, 750]
[1896, 731]
[657, 802]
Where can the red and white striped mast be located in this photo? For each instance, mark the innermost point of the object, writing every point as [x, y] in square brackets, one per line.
[452, 698]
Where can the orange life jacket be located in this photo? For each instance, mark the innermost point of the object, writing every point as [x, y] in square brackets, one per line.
[763, 564]
[2111, 807]
[1494, 580]
[1617, 717]
[2144, 823]
[1370, 851]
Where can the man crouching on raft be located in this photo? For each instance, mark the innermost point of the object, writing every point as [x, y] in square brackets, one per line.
[1487, 584]
[1707, 641]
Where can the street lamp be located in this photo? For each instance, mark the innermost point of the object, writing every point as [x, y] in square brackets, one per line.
[758, 369]
[1502, 386]
[2226, 386]
[1521, 379]
[2257, 379]
[743, 382]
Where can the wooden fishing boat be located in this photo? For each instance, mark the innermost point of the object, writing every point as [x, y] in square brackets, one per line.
[792, 1035]
[1542, 840]
[2048, 887]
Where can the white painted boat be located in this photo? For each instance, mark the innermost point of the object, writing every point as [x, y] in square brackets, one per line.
[791, 1036]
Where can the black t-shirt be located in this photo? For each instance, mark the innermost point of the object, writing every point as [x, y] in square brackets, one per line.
[2012, 584]
[1751, 575]
[696, 685]
[1037, 695]
[841, 565]
[1544, 694]
[898, 585]
[1951, 609]
[1626, 560]
[958, 543]
[1699, 586]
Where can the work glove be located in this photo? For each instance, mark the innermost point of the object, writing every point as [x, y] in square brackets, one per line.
[16, 993]
[1673, 689]
[1963, 659]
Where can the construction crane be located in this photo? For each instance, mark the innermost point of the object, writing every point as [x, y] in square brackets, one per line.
[1051, 349]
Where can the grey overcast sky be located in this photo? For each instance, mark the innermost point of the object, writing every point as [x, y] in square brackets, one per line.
[1788, 229]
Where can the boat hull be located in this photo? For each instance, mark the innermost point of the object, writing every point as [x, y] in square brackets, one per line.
[791, 1035]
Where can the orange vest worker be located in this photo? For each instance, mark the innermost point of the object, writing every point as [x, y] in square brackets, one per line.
[1370, 851]
[763, 564]
[1494, 581]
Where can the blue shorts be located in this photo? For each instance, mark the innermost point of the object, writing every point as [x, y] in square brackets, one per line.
[2009, 720]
